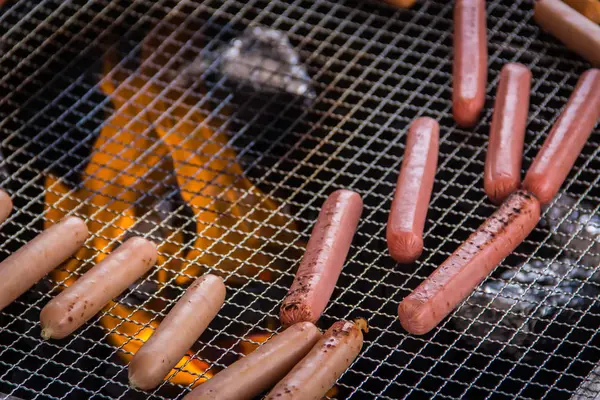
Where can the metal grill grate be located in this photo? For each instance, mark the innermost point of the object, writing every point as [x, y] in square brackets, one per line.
[375, 69]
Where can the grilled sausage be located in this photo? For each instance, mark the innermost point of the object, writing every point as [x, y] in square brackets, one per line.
[401, 3]
[471, 263]
[106, 280]
[413, 191]
[573, 29]
[312, 377]
[566, 139]
[502, 174]
[29, 264]
[469, 69]
[589, 8]
[262, 368]
[177, 332]
[6, 205]
[322, 263]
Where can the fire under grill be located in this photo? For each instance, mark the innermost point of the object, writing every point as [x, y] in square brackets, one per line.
[99, 119]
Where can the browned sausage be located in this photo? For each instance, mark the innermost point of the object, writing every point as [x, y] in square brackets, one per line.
[413, 191]
[106, 280]
[324, 258]
[182, 326]
[29, 264]
[566, 139]
[471, 263]
[401, 3]
[570, 27]
[312, 377]
[6, 205]
[469, 70]
[246, 378]
[502, 174]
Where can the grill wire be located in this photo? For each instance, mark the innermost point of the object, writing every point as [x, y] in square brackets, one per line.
[374, 69]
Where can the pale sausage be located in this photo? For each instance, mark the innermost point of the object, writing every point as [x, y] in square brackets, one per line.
[469, 69]
[566, 139]
[262, 368]
[105, 281]
[182, 326]
[470, 264]
[322, 263]
[570, 27]
[502, 174]
[24, 268]
[413, 191]
[6, 205]
[312, 377]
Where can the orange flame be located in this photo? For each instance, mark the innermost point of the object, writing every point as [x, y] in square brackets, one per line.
[158, 138]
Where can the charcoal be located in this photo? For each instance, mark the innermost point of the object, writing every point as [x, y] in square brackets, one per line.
[579, 233]
[511, 309]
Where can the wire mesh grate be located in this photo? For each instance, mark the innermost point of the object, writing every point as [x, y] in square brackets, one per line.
[230, 180]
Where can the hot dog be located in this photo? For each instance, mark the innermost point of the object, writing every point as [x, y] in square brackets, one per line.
[312, 377]
[177, 332]
[469, 69]
[322, 263]
[401, 3]
[413, 191]
[472, 262]
[6, 205]
[22, 269]
[566, 139]
[502, 174]
[570, 27]
[262, 368]
[106, 280]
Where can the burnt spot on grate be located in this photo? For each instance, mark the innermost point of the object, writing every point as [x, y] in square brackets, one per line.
[374, 69]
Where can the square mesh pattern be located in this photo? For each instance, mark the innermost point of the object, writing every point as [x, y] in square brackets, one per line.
[375, 69]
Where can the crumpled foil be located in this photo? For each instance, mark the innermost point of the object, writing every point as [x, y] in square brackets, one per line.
[260, 58]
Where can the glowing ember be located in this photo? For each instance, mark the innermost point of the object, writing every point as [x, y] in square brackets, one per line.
[158, 139]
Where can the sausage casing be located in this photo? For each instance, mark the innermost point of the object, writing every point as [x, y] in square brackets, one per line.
[262, 368]
[322, 263]
[566, 139]
[106, 280]
[182, 326]
[570, 27]
[502, 174]
[413, 191]
[312, 377]
[470, 264]
[29, 264]
[6, 205]
[469, 68]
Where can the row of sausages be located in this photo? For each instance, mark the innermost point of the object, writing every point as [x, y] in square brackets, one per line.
[304, 362]
[496, 238]
[469, 68]
[519, 211]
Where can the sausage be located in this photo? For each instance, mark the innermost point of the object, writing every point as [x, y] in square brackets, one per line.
[502, 174]
[566, 139]
[589, 8]
[182, 326]
[110, 277]
[413, 190]
[401, 3]
[312, 377]
[469, 68]
[6, 205]
[22, 269]
[471, 263]
[261, 369]
[322, 263]
[573, 29]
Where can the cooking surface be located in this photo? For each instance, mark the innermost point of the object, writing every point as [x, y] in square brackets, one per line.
[75, 71]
